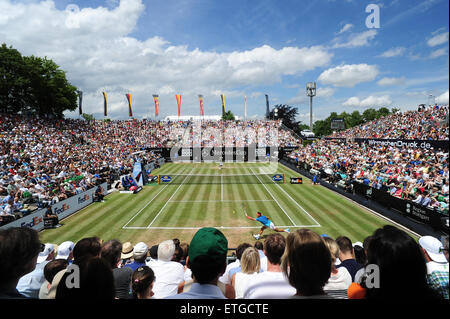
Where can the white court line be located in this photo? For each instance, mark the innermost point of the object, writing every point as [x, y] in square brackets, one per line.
[222, 227]
[297, 204]
[160, 211]
[224, 201]
[125, 226]
[293, 223]
[221, 188]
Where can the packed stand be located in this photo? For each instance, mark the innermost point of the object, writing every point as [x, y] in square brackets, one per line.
[43, 161]
[302, 265]
[430, 123]
[413, 174]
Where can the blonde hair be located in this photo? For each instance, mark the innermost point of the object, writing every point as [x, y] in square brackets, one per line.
[250, 261]
[333, 247]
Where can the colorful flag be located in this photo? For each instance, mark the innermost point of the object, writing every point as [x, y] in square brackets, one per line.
[202, 111]
[80, 102]
[178, 97]
[130, 109]
[223, 104]
[105, 104]
[156, 99]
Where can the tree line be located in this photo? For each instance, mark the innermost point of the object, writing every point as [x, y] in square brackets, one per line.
[33, 85]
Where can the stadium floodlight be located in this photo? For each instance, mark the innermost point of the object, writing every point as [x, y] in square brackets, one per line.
[275, 113]
[311, 92]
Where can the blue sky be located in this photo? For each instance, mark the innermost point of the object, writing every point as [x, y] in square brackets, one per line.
[238, 48]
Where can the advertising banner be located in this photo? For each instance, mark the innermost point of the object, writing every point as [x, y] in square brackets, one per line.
[62, 209]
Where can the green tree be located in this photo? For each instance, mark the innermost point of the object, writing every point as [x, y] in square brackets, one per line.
[33, 84]
[288, 116]
[228, 116]
[13, 80]
[88, 117]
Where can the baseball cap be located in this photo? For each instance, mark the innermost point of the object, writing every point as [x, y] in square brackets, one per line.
[210, 242]
[358, 243]
[140, 250]
[48, 249]
[65, 249]
[433, 247]
[127, 250]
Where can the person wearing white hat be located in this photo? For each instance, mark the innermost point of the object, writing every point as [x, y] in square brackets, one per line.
[437, 264]
[65, 251]
[434, 254]
[30, 284]
[140, 251]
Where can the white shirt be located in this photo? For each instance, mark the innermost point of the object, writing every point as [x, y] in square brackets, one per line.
[168, 274]
[269, 285]
[225, 278]
[434, 266]
[340, 281]
[241, 281]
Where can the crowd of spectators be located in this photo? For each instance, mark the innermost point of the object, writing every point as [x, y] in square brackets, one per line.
[43, 161]
[302, 265]
[427, 123]
[413, 174]
[417, 174]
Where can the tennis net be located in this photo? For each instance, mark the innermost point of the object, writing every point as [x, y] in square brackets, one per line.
[221, 179]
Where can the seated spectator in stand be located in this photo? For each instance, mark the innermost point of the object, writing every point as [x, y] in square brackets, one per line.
[65, 251]
[360, 255]
[111, 252]
[140, 251]
[250, 266]
[127, 253]
[19, 250]
[169, 274]
[51, 217]
[340, 279]
[142, 282]
[307, 264]
[89, 246]
[437, 264]
[208, 260]
[30, 284]
[96, 280]
[262, 258]
[347, 256]
[271, 284]
[98, 195]
[226, 277]
[50, 270]
[397, 254]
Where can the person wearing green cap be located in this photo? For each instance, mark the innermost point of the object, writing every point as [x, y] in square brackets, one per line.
[207, 259]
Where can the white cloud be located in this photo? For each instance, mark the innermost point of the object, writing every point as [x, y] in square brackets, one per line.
[438, 53]
[349, 75]
[345, 28]
[95, 47]
[391, 81]
[393, 52]
[443, 98]
[357, 40]
[438, 39]
[370, 101]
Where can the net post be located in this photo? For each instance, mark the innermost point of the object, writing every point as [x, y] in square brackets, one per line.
[158, 178]
[284, 178]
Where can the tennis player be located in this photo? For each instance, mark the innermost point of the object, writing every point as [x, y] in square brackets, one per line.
[267, 223]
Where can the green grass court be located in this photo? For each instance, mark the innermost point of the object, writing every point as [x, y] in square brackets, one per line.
[202, 195]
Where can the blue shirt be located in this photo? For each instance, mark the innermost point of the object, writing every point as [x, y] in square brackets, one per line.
[199, 291]
[135, 265]
[263, 220]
